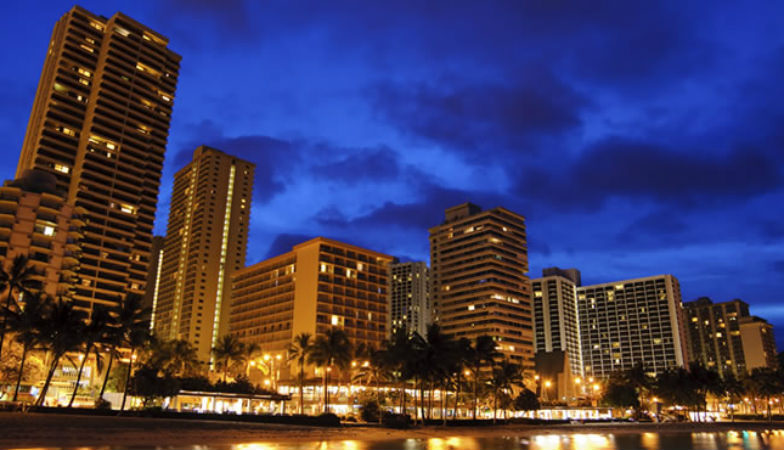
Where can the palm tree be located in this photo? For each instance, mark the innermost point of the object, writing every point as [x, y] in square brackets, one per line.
[733, 391]
[26, 323]
[227, 351]
[506, 375]
[60, 334]
[462, 351]
[132, 321]
[329, 350]
[249, 352]
[18, 279]
[769, 383]
[481, 353]
[299, 350]
[177, 358]
[92, 333]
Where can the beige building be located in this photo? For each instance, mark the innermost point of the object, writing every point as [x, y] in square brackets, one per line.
[478, 263]
[759, 344]
[35, 221]
[623, 323]
[556, 317]
[99, 123]
[318, 285]
[205, 243]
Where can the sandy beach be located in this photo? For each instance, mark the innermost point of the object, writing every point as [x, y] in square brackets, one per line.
[61, 430]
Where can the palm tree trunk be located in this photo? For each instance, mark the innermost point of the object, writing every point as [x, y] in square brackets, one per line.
[301, 389]
[422, 400]
[108, 371]
[79, 375]
[127, 381]
[495, 404]
[2, 329]
[42, 395]
[457, 393]
[326, 390]
[476, 394]
[21, 371]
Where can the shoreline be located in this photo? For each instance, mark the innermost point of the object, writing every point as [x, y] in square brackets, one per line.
[18, 430]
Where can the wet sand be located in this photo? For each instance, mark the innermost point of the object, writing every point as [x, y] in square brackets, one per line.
[62, 430]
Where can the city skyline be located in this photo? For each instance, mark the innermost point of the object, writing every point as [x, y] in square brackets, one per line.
[623, 169]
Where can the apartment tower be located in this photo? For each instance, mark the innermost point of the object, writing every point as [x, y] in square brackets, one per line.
[556, 319]
[759, 344]
[318, 285]
[478, 262]
[713, 334]
[409, 297]
[99, 123]
[632, 321]
[205, 243]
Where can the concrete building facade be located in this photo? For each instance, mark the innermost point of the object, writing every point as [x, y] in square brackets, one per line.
[36, 221]
[99, 123]
[556, 316]
[632, 321]
[409, 297]
[479, 262]
[759, 344]
[318, 285]
[206, 241]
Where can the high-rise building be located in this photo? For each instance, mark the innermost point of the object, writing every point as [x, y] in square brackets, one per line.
[556, 319]
[205, 243]
[99, 123]
[35, 221]
[478, 266]
[409, 297]
[319, 284]
[632, 321]
[150, 299]
[713, 334]
[759, 344]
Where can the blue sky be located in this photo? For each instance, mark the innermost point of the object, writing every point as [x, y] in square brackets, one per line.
[636, 141]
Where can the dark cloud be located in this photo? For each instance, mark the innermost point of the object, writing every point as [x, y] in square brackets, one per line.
[619, 168]
[285, 242]
[778, 266]
[366, 165]
[465, 117]
[652, 228]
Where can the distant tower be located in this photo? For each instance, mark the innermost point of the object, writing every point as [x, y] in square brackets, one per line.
[409, 297]
[556, 319]
[99, 123]
[205, 243]
[478, 263]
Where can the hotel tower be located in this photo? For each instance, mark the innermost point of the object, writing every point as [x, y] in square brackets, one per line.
[99, 123]
[479, 261]
[205, 243]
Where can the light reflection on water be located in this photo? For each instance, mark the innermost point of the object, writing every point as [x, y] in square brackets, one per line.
[730, 440]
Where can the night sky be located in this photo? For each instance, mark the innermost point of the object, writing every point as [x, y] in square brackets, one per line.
[635, 141]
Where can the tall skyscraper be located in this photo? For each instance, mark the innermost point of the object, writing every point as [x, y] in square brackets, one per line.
[99, 123]
[318, 285]
[632, 321]
[713, 334]
[478, 264]
[409, 297]
[556, 318]
[205, 243]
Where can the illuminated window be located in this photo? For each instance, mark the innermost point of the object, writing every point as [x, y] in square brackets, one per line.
[61, 168]
[471, 307]
[128, 209]
[96, 25]
[335, 320]
[87, 48]
[85, 72]
[122, 31]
